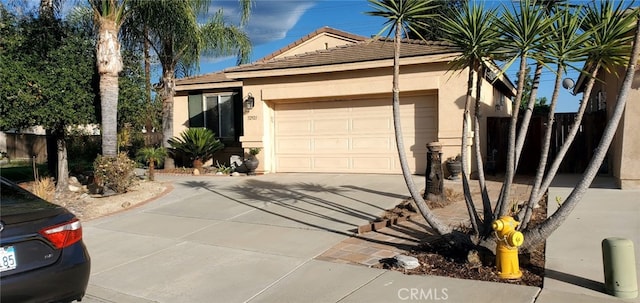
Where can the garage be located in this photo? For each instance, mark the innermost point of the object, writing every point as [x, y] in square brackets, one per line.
[352, 136]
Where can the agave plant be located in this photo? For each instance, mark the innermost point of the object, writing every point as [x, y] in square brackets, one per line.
[153, 156]
[199, 144]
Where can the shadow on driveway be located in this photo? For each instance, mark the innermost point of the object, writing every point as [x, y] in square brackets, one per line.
[294, 197]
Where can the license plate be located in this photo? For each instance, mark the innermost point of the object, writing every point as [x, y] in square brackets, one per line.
[7, 258]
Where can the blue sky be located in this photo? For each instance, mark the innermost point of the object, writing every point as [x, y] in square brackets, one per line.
[276, 23]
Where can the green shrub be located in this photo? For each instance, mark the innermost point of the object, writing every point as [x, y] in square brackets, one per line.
[115, 173]
[198, 144]
[152, 155]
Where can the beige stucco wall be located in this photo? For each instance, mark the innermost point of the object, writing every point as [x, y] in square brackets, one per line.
[426, 78]
[624, 151]
[625, 148]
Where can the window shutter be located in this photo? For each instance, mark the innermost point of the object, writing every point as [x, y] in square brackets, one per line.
[196, 115]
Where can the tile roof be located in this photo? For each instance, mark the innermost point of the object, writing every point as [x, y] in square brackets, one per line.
[370, 50]
[326, 29]
[217, 77]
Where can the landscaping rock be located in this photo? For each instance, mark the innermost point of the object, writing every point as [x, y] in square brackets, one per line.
[196, 172]
[74, 189]
[235, 174]
[407, 262]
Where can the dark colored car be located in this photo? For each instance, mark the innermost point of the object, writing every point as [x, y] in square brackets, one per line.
[42, 256]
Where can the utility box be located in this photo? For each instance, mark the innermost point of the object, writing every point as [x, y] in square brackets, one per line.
[618, 258]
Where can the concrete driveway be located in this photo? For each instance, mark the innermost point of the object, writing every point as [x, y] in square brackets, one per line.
[230, 238]
[224, 239]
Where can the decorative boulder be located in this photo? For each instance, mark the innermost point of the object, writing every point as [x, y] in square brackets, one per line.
[407, 262]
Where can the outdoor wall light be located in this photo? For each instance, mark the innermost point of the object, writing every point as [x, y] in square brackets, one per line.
[250, 102]
[568, 83]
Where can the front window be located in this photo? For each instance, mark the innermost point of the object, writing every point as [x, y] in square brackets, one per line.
[219, 115]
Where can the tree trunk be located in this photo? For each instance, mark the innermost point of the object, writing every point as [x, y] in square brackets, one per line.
[147, 81]
[468, 199]
[526, 119]
[152, 169]
[109, 112]
[167, 111]
[62, 180]
[109, 63]
[534, 196]
[553, 169]
[544, 230]
[502, 206]
[440, 228]
[486, 202]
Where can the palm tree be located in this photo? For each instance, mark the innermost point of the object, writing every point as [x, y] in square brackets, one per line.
[566, 44]
[152, 156]
[179, 39]
[610, 46]
[523, 31]
[403, 15]
[108, 17]
[471, 29]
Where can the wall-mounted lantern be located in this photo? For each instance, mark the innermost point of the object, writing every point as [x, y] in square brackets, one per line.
[249, 102]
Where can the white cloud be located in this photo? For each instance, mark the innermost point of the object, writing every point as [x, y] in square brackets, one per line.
[270, 20]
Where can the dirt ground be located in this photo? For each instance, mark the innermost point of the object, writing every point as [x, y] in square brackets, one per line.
[87, 207]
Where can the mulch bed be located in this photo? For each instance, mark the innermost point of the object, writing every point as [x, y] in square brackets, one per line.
[439, 258]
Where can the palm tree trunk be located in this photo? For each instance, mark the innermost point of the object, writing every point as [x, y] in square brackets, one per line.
[486, 202]
[464, 147]
[534, 196]
[152, 169]
[440, 228]
[109, 63]
[109, 111]
[526, 119]
[544, 230]
[147, 79]
[573, 130]
[167, 111]
[505, 194]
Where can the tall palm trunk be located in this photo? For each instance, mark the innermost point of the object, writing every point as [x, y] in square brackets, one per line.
[486, 202]
[167, 110]
[464, 148]
[526, 118]
[505, 194]
[573, 131]
[539, 234]
[109, 63]
[146, 46]
[441, 228]
[544, 155]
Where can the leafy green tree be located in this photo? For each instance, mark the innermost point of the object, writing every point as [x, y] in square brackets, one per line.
[39, 86]
[132, 103]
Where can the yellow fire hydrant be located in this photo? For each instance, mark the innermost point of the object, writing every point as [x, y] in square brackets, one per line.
[508, 239]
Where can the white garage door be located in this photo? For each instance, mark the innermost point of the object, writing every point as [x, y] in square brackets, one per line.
[354, 136]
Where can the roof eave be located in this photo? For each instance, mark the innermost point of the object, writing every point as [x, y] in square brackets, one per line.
[292, 71]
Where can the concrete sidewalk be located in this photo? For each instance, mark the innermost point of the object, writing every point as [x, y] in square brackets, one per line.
[574, 270]
[255, 239]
